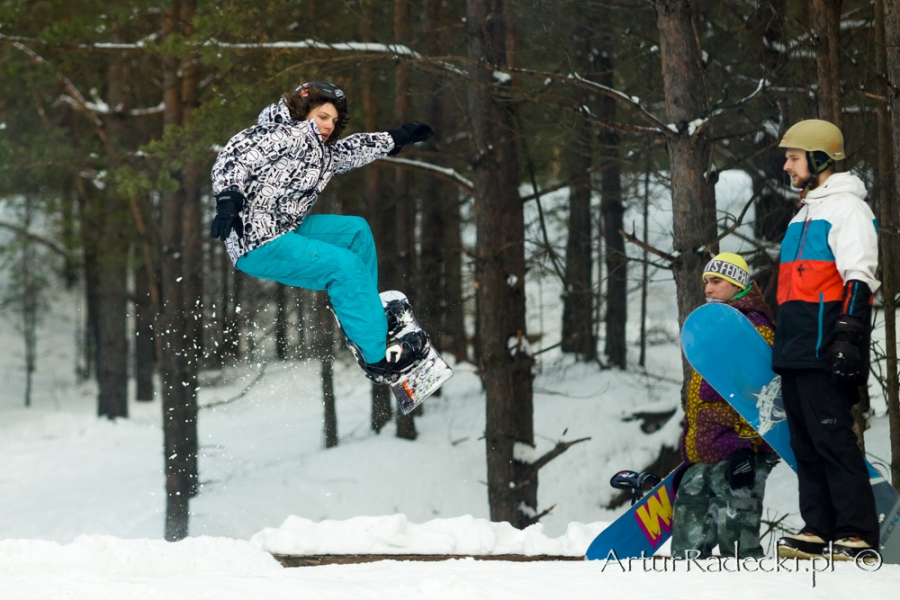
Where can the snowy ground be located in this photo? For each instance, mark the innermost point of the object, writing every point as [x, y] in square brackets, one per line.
[82, 498]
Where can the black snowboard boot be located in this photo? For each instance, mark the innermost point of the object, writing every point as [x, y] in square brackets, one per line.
[380, 372]
[851, 549]
[801, 545]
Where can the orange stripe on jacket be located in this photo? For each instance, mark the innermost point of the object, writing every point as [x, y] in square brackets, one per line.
[805, 279]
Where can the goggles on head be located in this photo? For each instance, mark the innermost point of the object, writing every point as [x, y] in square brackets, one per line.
[329, 89]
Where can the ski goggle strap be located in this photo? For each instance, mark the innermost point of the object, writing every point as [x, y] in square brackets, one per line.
[329, 89]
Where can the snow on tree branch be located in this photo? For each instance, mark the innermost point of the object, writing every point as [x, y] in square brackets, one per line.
[444, 172]
[102, 108]
[80, 101]
[393, 51]
[631, 101]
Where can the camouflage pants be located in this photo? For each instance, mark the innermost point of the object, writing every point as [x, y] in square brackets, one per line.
[709, 513]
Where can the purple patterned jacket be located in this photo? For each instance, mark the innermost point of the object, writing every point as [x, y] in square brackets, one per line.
[712, 428]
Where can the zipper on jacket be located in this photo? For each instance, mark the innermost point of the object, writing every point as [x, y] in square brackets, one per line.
[821, 318]
[801, 244]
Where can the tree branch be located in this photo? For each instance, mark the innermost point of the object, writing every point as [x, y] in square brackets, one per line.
[630, 101]
[728, 231]
[52, 245]
[557, 450]
[243, 393]
[443, 172]
[537, 517]
[82, 106]
[630, 237]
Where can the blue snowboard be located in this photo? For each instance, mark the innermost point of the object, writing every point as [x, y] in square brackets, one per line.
[730, 354]
[642, 530]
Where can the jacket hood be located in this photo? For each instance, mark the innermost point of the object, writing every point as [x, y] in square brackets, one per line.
[275, 114]
[839, 183]
[278, 114]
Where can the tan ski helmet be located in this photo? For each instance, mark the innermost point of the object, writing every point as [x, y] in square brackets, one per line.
[815, 134]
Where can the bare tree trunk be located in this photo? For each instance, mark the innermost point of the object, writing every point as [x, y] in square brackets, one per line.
[405, 227]
[115, 217]
[578, 296]
[891, 20]
[381, 212]
[281, 322]
[68, 202]
[440, 272]
[693, 192]
[613, 218]
[181, 285]
[504, 359]
[29, 302]
[112, 348]
[325, 351]
[88, 207]
[231, 302]
[826, 21]
[144, 344]
[431, 303]
[439, 305]
[645, 266]
[453, 336]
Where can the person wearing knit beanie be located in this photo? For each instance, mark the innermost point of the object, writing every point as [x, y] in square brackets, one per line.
[728, 462]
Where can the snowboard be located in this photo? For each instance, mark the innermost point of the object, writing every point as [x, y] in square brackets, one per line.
[640, 531]
[430, 372]
[723, 346]
[427, 375]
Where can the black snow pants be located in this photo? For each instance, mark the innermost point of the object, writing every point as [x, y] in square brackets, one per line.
[836, 499]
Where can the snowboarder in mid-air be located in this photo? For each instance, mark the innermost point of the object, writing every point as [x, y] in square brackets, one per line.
[266, 180]
[719, 499]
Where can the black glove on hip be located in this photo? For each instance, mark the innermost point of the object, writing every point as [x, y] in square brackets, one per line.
[409, 133]
[741, 470]
[228, 206]
[846, 357]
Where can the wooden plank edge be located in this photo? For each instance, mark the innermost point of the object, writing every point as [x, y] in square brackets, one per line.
[315, 560]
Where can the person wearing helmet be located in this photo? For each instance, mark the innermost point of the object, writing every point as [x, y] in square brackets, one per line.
[825, 284]
[266, 180]
[719, 499]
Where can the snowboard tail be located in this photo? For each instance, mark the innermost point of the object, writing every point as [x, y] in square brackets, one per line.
[424, 380]
[643, 529]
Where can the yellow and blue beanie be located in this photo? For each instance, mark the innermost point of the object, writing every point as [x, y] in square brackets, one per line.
[730, 267]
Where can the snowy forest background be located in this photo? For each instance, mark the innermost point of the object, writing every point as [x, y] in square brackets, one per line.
[589, 158]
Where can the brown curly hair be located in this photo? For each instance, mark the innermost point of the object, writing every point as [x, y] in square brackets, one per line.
[299, 105]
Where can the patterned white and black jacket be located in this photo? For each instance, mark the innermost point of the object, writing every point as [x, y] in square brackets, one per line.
[281, 166]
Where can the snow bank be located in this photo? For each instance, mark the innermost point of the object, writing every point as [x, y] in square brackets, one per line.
[396, 535]
[103, 554]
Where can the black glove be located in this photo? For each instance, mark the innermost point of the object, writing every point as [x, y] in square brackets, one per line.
[846, 357]
[228, 206]
[409, 133]
[741, 471]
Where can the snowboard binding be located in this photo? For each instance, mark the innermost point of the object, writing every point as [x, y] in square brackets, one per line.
[405, 353]
[634, 482]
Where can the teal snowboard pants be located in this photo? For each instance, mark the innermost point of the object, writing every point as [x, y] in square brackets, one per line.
[335, 253]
